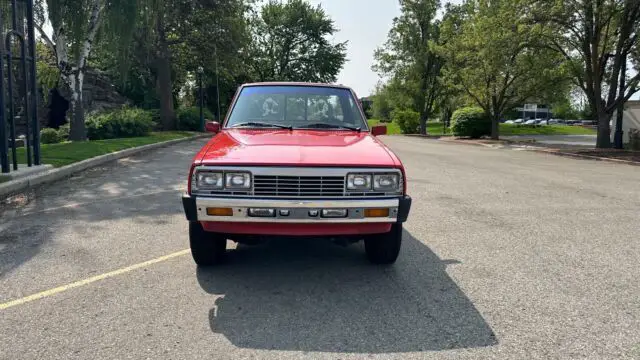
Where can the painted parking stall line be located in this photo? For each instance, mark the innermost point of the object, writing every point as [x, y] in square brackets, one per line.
[63, 288]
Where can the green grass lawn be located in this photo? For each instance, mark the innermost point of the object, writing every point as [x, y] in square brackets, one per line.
[70, 152]
[435, 128]
[512, 129]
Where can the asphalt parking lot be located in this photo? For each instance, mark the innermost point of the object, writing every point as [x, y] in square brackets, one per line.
[507, 255]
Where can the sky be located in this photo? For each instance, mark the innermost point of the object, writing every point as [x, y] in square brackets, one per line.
[365, 26]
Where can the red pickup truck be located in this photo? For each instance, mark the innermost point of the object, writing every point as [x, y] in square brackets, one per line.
[295, 159]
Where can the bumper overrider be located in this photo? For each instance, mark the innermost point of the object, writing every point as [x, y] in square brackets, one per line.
[334, 211]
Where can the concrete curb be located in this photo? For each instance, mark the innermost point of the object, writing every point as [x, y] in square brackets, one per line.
[586, 157]
[557, 152]
[14, 186]
[428, 136]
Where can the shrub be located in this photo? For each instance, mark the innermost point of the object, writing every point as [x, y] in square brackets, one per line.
[634, 139]
[407, 120]
[125, 122]
[189, 118]
[49, 136]
[63, 132]
[471, 122]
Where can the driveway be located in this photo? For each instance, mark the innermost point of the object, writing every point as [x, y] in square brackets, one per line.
[507, 255]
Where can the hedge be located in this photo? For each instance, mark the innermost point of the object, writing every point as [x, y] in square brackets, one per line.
[121, 123]
[407, 120]
[189, 118]
[470, 122]
[49, 136]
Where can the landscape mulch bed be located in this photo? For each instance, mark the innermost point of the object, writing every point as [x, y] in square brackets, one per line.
[626, 155]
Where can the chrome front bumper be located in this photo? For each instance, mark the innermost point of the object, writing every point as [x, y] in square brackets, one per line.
[298, 210]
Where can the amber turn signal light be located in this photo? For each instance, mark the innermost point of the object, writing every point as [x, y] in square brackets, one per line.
[220, 211]
[376, 212]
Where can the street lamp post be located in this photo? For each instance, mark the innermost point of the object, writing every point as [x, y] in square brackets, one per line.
[200, 75]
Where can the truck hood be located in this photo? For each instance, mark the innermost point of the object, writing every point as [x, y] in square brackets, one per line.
[277, 147]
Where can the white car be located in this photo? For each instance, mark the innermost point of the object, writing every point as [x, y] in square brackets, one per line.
[531, 122]
[509, 122]
[518, 121]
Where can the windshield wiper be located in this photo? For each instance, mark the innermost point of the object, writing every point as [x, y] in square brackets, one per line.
[330, 126]
[262, 124]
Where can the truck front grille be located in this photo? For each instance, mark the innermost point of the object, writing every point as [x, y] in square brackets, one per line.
[298, 186]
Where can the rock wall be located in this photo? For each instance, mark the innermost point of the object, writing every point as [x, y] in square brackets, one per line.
[98, 94]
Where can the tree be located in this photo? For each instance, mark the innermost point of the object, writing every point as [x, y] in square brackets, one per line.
[598, 39]
[289, 43]
[75, 26]
[496, 58]
[170, 43]
[409, 54]
[381, 105]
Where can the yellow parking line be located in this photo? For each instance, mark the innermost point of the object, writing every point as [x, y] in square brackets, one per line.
[90, 280]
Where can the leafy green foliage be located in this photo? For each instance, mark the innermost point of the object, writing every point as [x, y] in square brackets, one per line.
[47, 72]
[470, 122]
[189, 118]
[290, 43]
[599, 42]
[564, 110]
[497, 57]
[63, 132]
[49, 136]
[409, 55]
[407, 120]
[121, 123]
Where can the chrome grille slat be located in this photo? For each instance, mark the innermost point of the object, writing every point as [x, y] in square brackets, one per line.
[278, 185]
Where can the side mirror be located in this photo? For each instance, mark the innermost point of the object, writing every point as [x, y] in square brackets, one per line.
[212, 127]
[378, 130]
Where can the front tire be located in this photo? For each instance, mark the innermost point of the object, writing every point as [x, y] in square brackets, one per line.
[383, 249]
[207, 248]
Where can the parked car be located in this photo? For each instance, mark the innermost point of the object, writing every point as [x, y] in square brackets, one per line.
[509, 122]
[531, 122]
[518, 121]
[283, 164]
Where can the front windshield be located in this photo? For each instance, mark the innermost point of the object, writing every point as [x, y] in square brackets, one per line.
[297, 107]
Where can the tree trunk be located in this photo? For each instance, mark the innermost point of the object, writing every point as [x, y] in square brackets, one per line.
[163, 80]
[164, 86]
[495, 127]
[423, 122]
[77, 130]
[603, 140]
[73, 74]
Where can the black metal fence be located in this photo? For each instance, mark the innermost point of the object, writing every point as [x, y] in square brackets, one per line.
[18, 88]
